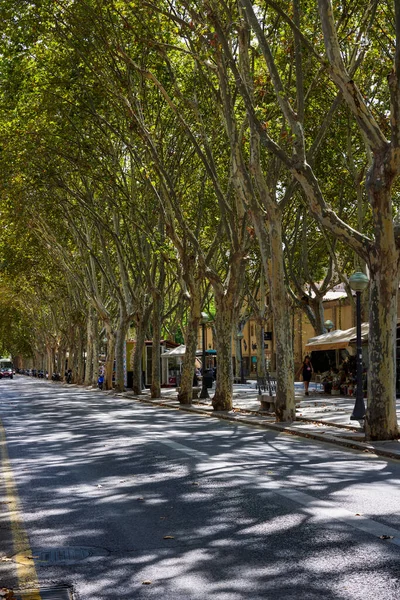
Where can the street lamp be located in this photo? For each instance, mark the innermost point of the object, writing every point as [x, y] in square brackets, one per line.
[240, 336]
[204, 320]
[329, 325]
[358, 282]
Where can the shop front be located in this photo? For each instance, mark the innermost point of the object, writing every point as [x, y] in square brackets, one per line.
[333, 357]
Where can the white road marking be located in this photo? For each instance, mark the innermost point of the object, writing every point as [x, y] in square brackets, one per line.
[321, 510]
[325, 511]
[184, 449]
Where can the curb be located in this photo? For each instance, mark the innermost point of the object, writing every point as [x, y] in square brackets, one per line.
[321, 437]
[343, 426]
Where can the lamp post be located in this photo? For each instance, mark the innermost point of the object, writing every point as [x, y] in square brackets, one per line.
[329, 325]
[204, 391]
[358, 282]
[240, 336]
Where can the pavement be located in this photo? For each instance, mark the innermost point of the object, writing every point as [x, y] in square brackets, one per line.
[319, 416]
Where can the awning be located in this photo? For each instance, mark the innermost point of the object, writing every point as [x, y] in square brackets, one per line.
[209, 352]
[338, 339]
[179, 351]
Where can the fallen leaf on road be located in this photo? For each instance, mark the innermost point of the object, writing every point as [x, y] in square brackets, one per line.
[195, 483]
[7, 594]
[146, 582]
[169, 537]
[5, 559]
[140, 498]
[386, 537]
[358, 515]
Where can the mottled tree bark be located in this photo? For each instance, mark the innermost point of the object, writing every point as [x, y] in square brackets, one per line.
[95, 350]
[89, 348]
[381, 419]
[109, 366]
[188, 367]
[224, 323]
[285, 398]
[142, 322]
[120, 342]
[155, 390]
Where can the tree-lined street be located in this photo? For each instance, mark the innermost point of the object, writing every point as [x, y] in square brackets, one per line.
[125, 500]
[193, 194]
[162, 160]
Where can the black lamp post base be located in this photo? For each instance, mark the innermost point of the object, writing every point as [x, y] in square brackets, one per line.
[359, 411]
[354, 418]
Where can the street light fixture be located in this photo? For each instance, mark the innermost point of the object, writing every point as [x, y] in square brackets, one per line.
[240, 336]
[204, 391]
[329, 325]
[358, 283]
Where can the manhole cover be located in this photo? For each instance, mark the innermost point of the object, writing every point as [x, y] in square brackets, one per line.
[66, 555]
[55, 593]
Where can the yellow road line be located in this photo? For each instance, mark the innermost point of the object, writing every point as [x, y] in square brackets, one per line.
[26, 572]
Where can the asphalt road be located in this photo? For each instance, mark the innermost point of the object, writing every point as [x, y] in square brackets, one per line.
[113, 493]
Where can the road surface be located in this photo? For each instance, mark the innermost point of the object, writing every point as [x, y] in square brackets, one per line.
[118, 499]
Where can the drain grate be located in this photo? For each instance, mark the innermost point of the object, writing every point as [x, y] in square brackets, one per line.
[58, 555]
[55, 593]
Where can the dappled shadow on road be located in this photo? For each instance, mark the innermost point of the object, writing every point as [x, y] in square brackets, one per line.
[96, 471]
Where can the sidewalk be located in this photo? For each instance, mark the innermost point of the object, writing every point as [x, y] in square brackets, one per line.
[319, 416]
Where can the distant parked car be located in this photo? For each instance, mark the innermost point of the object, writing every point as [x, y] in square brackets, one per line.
[6, 372]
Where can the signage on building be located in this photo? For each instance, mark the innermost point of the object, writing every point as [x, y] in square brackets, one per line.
[267, 335]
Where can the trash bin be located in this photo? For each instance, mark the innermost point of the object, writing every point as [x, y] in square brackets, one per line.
[208, 379]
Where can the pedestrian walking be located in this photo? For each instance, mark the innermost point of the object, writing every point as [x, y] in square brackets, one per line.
[306, 370]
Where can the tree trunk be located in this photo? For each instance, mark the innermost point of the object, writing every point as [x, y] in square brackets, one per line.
[95, 349]
[142, 321]
[186, 384]
[239, 365]
[89, 348]
[222, 399]
[119, 353]
[49, 363]
[109, 366]
[261, 370]
[285, 398]
[61, 360]
[381, 420]
[319, 318]
[155, 351]
[80, 362]
[71, 364]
